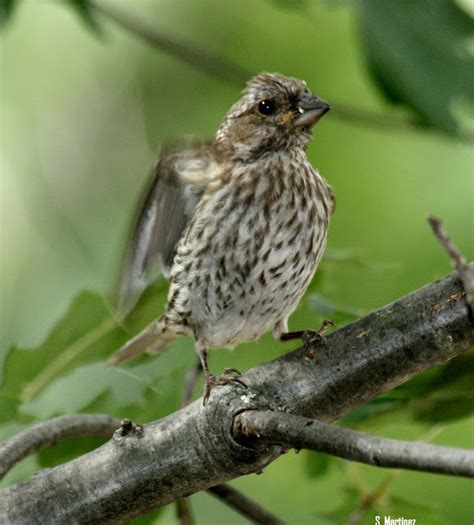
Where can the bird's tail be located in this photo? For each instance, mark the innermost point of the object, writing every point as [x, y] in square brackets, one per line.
[152, 339]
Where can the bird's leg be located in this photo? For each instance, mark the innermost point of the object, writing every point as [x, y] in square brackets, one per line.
[202, 352]
[230, 375]
[307, 336]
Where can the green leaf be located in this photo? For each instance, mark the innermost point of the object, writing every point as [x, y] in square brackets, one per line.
[418, 53]
[316, 464]
[26, 467]
[27, 371]
[149, 518]
[86, 12]
[297, 5]
[396, 507]
[7, 8]
[70, 393]
[375, 412]
[349, 500]
[78, 389]
[441, 394]
[448, 393]
[67, 372]
[410, 509]
[67, 450]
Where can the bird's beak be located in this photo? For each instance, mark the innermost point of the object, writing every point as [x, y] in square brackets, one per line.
[310, 109]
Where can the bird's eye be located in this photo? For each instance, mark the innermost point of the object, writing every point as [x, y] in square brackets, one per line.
[267, 107]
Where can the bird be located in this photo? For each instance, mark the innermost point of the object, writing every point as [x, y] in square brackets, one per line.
[238, 226]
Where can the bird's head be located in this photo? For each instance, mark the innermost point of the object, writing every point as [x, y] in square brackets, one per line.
[274, 113]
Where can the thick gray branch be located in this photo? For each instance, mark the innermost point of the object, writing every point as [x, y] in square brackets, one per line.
[50, 433]
[194, 449]
[47, 434]
[371, 355]
[300, 432]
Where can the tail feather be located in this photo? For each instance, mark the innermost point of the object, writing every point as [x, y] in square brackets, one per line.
[153, 339]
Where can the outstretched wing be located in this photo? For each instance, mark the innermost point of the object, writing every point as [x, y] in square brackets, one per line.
[179, 181]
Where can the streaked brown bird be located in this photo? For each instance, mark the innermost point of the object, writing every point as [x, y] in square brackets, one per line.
[239, 227]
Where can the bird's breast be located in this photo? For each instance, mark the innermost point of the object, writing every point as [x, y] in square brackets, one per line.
[251, 251]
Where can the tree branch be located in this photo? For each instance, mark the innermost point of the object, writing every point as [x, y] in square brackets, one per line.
[244, 505]
[370, 499]
[465, 271]
[228, 495]
[194, 448]
[49, 433]
[196, 57]
[300, 432]
[227, 70]
[371, 355]
[183, 512]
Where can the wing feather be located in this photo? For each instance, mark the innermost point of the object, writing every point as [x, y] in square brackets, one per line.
[178, 183]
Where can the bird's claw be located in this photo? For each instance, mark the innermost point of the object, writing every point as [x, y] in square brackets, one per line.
[311, 336]
[232, 372]
[230, 376]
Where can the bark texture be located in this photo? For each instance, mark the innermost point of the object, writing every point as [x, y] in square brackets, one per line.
[195, 448]
[301, 432]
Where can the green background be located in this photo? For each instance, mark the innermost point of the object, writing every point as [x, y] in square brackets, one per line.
[82, 115]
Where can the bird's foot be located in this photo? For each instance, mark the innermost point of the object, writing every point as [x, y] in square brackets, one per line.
[309, 336]
[312, 336]
[230, 376]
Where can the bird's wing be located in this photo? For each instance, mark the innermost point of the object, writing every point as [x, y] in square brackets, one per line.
[179, 180]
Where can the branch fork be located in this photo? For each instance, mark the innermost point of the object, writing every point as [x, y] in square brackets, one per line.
[238, 432]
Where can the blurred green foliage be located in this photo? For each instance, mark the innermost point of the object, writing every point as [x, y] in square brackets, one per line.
[86, 12]
[81, 118]
[6, 11]
[419, 53]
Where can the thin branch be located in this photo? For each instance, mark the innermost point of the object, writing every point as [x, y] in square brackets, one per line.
[49, 433]
[370, 499]
[465, 271]
[190, 381]
[227, 70]
[183, 512]
[300, 432]
[360, 116]
[195, 449]
[245, 506]
[200, 59]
